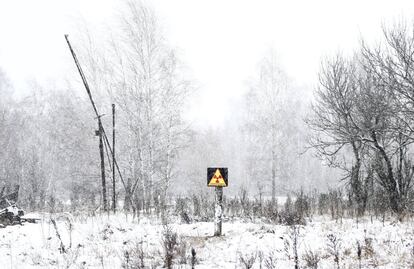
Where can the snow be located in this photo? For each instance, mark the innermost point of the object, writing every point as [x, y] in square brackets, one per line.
[101, 241]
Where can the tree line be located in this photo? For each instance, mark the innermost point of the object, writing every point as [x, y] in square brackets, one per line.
[49, 146]
[363, 118]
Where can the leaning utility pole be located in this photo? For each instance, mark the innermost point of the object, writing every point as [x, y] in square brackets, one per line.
[103, 134]
[113, 159]
[100, 132]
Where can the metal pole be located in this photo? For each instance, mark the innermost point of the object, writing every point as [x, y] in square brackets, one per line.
[218, 212]
[113, 159]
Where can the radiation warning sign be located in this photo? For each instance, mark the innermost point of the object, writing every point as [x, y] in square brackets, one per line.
[217, 177]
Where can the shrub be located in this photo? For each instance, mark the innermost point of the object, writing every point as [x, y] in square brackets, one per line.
[181, 209]
[334, 248]
[247, 260]
[311, 259]
[134, 257]
[170, 244]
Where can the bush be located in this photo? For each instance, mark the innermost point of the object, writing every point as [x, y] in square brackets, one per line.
[311, 259]
[271, 212]
[247, 260]
[174, 247]
[182, 209]
[134, 257]
[302, 205]
[334, 248]
[170, 245]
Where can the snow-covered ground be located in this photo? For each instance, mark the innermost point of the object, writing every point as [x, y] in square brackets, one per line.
[102, 241]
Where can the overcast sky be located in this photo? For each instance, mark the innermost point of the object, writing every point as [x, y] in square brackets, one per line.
[221, 41]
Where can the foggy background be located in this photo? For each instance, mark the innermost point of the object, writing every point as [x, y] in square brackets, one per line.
[223, 49]
[220, 42]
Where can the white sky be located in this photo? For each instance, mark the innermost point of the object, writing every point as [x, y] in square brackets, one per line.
[221, 41]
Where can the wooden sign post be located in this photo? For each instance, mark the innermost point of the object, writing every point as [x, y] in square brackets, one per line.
[218, 178]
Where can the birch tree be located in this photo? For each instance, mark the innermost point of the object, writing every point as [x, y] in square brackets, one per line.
[142, 75]
[267, 124]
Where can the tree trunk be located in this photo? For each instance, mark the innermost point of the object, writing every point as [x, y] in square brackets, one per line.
[391, 185]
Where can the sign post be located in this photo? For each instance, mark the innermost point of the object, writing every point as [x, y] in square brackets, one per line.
[218, 178]
[218, 211]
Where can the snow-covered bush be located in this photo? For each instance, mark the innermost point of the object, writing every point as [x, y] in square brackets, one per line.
[247, 260]
[334, 248]
[170, 245]
[182, 209]
[311, 259]
[134, 257]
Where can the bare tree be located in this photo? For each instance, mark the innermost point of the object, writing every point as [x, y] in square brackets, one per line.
[335, 122]
[269, 124]
[141, 74]
[363, 105]
[389, 88]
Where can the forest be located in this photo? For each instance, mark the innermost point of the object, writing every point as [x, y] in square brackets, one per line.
[314, 173]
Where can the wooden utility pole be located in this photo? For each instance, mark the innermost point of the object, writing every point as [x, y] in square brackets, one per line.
[113, 160]
[99, 133]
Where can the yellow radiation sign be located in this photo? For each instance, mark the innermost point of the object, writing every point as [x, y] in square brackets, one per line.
[217, 177]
